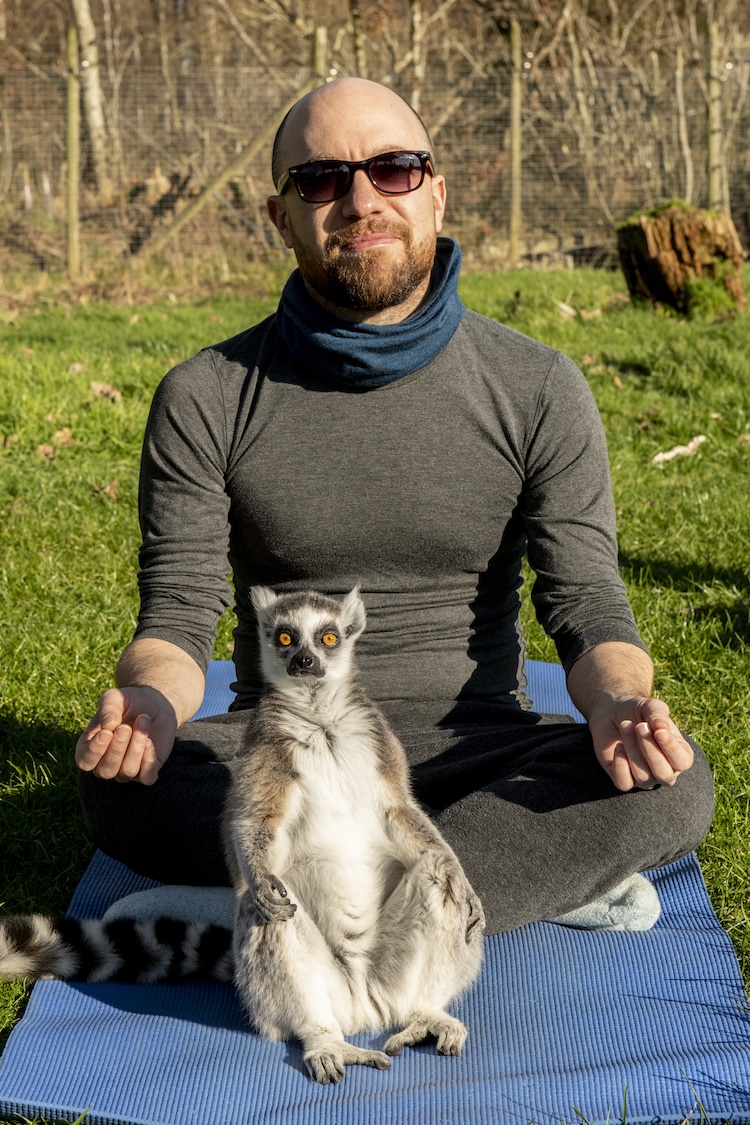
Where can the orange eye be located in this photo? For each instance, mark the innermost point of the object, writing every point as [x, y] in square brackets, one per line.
[284, 639]
[329, 639]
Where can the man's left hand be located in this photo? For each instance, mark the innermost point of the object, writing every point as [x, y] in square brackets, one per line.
[638, 745]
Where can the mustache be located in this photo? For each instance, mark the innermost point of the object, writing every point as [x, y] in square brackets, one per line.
[339, 239]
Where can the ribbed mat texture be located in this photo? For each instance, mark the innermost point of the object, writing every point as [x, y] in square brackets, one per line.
[561, 1023]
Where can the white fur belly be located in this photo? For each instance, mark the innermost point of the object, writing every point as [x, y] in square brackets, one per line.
[338, 858]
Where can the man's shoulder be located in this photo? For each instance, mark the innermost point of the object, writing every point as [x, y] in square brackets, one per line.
[484, 329]
[231, 359]
[506, 361]
[241, 350]
[245, 345]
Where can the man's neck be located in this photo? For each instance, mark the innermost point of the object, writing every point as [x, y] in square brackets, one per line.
[395, 314]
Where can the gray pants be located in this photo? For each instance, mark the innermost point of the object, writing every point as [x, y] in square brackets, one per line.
[536, 822]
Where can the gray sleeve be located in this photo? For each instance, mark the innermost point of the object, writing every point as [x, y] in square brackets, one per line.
[184, 511]
[578, 594]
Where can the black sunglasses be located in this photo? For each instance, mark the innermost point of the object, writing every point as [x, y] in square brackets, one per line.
[392, 173]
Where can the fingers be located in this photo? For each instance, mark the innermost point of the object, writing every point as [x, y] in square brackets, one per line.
[646, 749]
[649, 766]
[646, 757]
[118, 743]
[126, 753]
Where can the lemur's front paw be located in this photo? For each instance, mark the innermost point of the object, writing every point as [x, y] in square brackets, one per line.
[272, 901]
[457, 888]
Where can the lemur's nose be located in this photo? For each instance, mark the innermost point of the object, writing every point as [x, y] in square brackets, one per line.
[303, 663]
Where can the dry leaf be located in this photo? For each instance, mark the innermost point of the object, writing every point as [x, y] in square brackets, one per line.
[109, 490]
[680, 450]
[63, 437]
[9, 439]
[46, 451]
[105, 390]
[134, 319]
[76, 368]
[744, 438]
[589, 314]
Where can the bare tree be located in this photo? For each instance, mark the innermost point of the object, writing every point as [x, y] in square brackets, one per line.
[687, 152]
[360, 55]
[93, 98]
[717, 193]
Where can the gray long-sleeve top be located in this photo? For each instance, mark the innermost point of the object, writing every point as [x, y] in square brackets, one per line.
[426, 492]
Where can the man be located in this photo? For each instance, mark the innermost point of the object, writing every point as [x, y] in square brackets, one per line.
[373, 431]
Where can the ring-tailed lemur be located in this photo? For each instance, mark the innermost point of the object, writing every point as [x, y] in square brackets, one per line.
[352, 913]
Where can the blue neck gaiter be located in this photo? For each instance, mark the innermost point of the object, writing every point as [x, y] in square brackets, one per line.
[370, 355]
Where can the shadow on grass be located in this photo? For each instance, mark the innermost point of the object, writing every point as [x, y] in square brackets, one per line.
[45, 845]
[730, 615]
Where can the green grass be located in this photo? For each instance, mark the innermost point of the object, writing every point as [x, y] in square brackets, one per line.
[69, 536]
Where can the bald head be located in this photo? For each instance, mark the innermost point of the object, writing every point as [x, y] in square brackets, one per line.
[355, 99]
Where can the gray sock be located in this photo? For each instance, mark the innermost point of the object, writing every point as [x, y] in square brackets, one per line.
[631, 905]
[188, 904]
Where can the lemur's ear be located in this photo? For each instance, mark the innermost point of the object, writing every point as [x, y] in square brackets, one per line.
[264, 600]
[353, 616]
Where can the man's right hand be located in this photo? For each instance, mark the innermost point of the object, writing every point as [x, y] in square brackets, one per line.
[130, 737]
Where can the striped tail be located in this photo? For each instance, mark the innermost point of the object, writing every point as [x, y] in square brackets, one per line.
[142, 952]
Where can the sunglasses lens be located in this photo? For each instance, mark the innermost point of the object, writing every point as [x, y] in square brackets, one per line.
[397, 172]
[322, 181]
[393, 173]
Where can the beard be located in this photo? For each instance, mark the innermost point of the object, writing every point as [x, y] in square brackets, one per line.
[368, 280]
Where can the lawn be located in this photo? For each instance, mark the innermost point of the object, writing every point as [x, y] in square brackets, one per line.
[75, 385]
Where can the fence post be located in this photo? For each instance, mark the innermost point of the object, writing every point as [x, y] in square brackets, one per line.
[74, 157]
[516, 94]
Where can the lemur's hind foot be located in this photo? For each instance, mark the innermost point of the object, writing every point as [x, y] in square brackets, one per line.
[449, 1033]
[327, 1064]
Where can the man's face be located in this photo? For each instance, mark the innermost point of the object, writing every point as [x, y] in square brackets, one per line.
[366, 256]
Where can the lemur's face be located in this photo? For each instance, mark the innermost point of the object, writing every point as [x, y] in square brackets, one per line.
[306, 635]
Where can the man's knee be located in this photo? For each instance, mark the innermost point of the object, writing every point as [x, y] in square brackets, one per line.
[692, 800]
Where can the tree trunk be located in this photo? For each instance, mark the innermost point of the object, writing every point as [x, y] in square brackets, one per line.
[716, 179]
[93, 99]
[662, 252]
[320, 54]
[360, 56]
[74, 156]
[419, 61]
[516, 93]
[687, 153]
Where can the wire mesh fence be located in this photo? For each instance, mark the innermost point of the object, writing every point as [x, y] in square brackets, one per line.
[592, 154]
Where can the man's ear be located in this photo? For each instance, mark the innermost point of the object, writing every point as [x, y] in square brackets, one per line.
[438, 197]
[278, 213]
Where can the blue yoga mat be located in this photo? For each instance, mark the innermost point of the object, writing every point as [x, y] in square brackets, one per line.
[560, 1022]
[546, 689]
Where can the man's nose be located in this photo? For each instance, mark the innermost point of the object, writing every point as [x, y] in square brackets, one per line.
[362, 198]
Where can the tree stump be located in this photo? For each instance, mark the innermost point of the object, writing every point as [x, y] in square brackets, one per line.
[665, 250]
